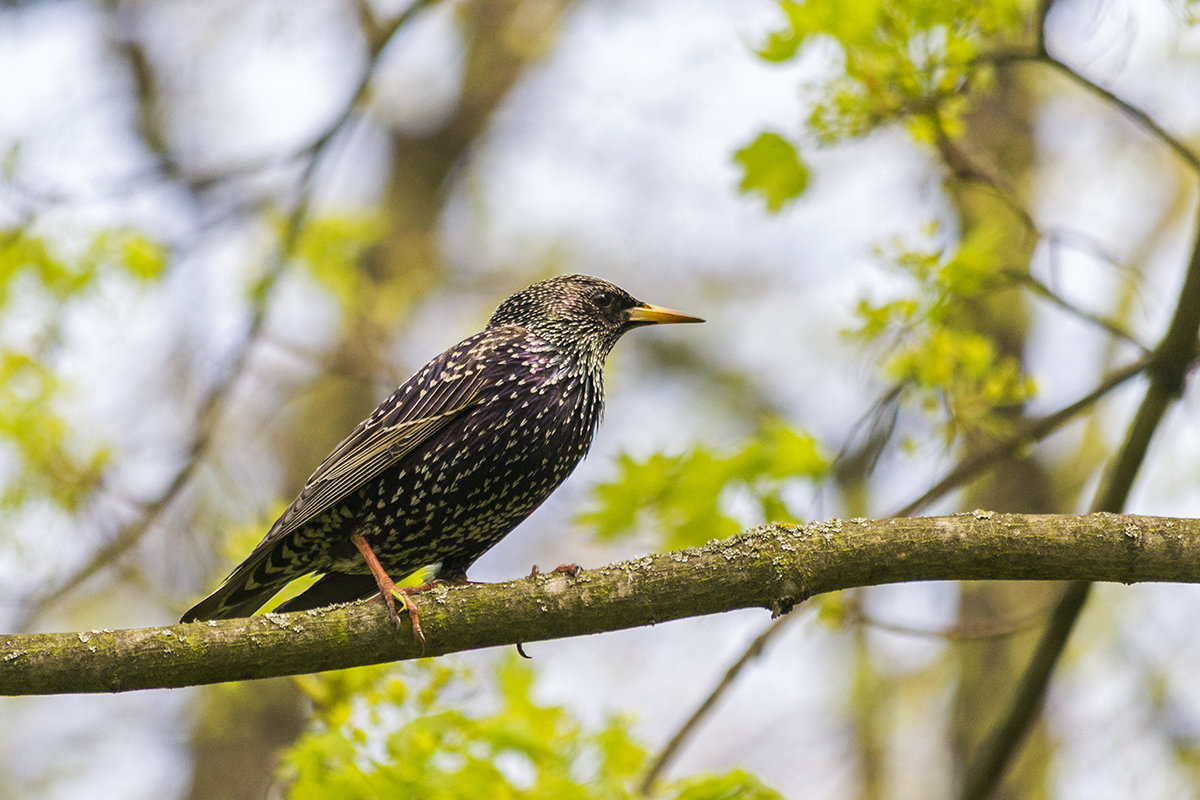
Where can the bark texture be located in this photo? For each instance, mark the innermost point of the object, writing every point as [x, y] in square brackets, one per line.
[772, 567]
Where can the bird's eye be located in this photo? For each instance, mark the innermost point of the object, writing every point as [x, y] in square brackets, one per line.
[605, 301]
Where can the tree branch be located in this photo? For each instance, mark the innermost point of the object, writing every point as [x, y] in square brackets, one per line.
[1138, 117]
[1170, 364]
[705, 708]
[974, 465]
[771, 567]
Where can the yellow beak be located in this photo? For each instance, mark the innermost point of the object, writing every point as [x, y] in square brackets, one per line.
[646, 314]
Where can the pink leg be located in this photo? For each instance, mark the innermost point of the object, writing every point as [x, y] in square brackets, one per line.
[388, 590]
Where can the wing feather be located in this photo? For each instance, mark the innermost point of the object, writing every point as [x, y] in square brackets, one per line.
[446, 388]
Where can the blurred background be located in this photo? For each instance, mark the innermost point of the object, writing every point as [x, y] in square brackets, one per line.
[228, 229]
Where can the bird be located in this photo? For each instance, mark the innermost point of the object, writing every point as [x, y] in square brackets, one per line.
[452, 461]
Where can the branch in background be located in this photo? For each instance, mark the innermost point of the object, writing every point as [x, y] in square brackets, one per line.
[702, 711]
[213, 403]
[1139, 117]
[965, 471]
[772, 567]
[1132, 112]
[1170, 363]
[967, 168]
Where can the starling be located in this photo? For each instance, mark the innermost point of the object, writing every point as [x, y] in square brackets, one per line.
[452, 461]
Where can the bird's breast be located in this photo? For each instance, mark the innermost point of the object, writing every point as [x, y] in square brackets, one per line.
[539, 412]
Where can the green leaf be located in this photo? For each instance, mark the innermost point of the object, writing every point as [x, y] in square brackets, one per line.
[685, 499]
[772, 168]
[736, 785]
[419, 730]
[790, 453]
[782, 44]
[332, 248]
[144, 259]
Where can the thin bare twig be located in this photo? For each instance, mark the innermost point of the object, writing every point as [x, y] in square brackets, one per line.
[966, 167]
[961, 631]
[1109, 326]
[1135, 114]
[212, 404]
[966, 470]
[667, 754]
[1033, 431]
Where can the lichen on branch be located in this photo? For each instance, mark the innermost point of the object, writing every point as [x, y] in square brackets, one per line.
[771, 567]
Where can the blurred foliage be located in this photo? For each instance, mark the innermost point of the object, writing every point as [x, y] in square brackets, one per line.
[773, 169]
[48, 457]
[689, 499]
[49, 464]
[431, 729]
[30, 263]
[928, 337]
[331, 250]
[913, 62]
[352, 256]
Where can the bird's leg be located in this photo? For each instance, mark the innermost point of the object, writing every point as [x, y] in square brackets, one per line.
[567, 569]
[388, 590]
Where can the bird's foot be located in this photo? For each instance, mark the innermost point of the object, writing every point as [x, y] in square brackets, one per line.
[389, 599]
[405, 594]
[567, 569]
[389, 591]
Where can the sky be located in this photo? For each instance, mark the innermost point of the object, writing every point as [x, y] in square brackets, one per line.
[612, 156]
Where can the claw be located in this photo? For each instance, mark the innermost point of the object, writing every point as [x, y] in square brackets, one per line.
[389, 591]
[413, 617]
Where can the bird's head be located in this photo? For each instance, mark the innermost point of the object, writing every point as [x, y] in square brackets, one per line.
[581, 315]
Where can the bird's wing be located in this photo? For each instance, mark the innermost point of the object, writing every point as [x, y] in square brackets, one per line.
[441, 391]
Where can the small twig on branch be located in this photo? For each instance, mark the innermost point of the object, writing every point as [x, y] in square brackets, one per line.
[1030, 432]
[1133, 113]
[963, 631]
[967, 167]
[1111, 327]
[772, 567]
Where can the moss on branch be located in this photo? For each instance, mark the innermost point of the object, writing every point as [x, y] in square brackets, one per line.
[773, 567]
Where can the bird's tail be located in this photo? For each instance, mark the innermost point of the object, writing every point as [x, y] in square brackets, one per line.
[255, 581]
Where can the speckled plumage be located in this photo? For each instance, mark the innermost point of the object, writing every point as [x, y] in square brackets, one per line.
[455, 458]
